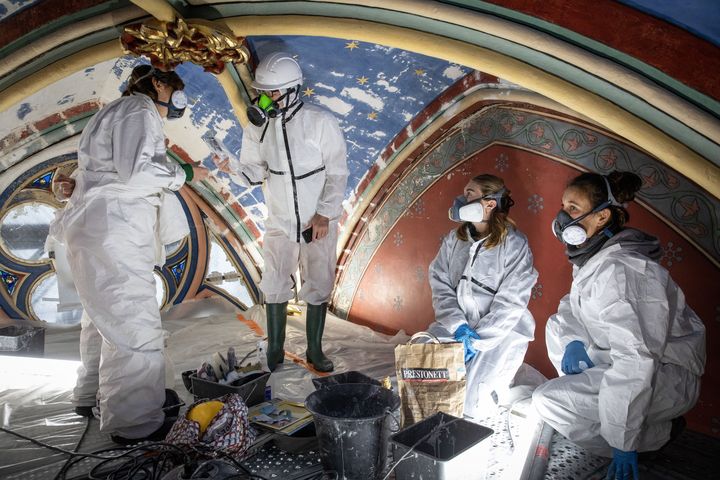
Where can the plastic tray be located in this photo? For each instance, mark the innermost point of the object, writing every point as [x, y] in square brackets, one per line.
[444, 447]
[253, 391]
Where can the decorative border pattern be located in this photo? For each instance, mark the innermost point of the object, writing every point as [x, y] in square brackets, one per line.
[690, 210]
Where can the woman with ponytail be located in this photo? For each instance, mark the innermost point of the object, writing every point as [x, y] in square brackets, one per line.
[481, 281]
[630, 349]
[111, 228]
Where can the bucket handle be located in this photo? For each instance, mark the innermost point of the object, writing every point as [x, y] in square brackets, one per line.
[427, 335]
[388, 412]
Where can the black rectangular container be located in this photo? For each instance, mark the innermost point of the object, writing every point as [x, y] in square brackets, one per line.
[253, 392]
[443, 447]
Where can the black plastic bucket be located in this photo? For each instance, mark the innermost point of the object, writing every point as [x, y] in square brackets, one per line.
[350, 420]
[342, 378]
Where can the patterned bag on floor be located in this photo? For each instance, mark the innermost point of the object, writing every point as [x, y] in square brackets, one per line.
[430, 377]
[229, 432]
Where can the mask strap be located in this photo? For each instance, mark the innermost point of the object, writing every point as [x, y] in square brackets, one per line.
[151, 72]
[498, 197]
[262, 137]
[293, 113]
[610, 197]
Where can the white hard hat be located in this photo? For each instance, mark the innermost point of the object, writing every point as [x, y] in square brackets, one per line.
[277, 71]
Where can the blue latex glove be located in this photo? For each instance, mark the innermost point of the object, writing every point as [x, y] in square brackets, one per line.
[574, 354]
[624, 466]
[465, 334]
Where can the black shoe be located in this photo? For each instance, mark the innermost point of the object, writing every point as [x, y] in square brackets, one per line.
[84, 411]
[172, 404]
[678, 426]
[156, 436]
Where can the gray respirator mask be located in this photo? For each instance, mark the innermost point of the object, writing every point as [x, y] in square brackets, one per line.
[569, 231]
[463, 210]
[176, 106]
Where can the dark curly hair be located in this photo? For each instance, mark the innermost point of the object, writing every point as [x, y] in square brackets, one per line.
[623, 185]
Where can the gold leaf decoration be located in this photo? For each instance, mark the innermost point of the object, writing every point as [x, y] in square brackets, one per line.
[168, 44]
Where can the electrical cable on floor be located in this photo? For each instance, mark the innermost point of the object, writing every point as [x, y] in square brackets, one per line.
[147, 463]
[51, 447]
[77, 446]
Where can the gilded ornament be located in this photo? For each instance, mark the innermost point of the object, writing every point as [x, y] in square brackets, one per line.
[168, 44]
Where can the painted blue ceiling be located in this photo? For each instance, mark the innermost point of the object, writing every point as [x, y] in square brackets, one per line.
[374, 92]
[700, 17]
[11, 7]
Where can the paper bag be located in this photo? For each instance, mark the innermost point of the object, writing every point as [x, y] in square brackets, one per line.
[431, 378]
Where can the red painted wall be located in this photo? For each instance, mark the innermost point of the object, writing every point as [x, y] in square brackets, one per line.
[394, 292]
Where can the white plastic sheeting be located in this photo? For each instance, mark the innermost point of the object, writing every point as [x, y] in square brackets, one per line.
[36, 398]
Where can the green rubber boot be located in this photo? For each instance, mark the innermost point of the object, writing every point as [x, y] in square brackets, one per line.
[276, 314]
[314, 325]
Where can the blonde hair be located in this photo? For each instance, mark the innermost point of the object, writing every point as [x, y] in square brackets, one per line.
[499, 221]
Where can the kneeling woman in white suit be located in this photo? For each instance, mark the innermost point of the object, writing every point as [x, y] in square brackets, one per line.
[631, 349]
[481, 281]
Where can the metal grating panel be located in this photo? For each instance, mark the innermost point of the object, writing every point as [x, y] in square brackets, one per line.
[570, 462]
[270, 462]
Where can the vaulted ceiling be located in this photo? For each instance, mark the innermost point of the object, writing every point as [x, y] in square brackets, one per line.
[428, 93]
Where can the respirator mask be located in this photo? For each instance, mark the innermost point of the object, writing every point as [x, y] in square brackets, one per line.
[263, 107]
[473, 211]
[569, 231]
[176, 106]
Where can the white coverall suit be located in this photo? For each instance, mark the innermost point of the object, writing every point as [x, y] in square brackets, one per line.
[302, 167]
[489, 289]
[647, 345]
[110, 227]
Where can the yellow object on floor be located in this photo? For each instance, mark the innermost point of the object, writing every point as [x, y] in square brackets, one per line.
[203, 413]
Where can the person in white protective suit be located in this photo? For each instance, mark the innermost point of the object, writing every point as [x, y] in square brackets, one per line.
[297, 152]
[110, 227]
[628, 347]
[481, 282]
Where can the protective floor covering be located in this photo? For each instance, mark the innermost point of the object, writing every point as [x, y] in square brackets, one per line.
[36, 400]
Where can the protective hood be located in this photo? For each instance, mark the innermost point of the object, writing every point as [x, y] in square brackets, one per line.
[637, 241]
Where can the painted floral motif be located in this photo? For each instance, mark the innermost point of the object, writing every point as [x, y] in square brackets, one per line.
[417, 209]
[398, 303]
[535, 203]
[608, 158]
[671, 254]
[501, 162]
[398, 239]
[537, 291]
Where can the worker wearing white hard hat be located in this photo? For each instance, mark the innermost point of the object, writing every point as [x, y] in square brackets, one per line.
[297, 152]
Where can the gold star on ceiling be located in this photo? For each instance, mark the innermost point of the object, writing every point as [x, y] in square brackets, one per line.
[372, 115]
[309, 92]
[419, 71]
[362, 80]
[352, 45]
